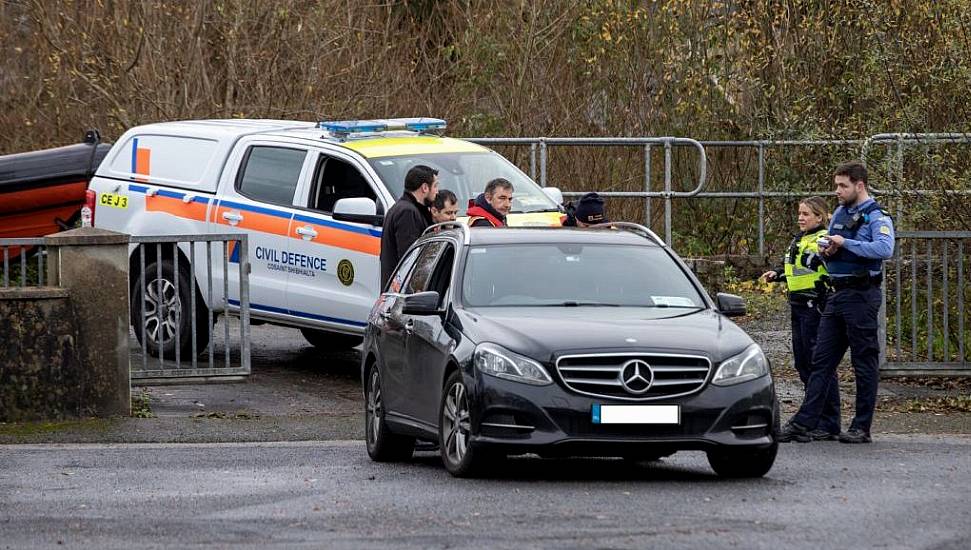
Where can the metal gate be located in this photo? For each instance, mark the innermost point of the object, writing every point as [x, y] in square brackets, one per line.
[924, 319]
[164, 265]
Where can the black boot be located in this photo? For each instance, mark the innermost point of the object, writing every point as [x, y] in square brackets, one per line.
[793, 431]
[855, 435]
[820, 434]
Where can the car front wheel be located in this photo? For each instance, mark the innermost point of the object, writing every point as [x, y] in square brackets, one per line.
[461, 459]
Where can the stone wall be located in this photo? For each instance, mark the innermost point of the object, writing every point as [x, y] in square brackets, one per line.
[92, 264]
[64, 349]
[40, 370]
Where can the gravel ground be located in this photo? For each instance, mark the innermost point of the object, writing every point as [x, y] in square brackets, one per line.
[768, 324]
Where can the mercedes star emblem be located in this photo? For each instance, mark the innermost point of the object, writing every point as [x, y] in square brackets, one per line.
[636, 376]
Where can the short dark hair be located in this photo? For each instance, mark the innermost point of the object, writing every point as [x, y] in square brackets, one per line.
[419, 175]
[498, 183]
[444, 196]
[854, 169]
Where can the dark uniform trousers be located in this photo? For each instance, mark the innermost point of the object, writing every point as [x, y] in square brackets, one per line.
[805, 326]
[849, 320]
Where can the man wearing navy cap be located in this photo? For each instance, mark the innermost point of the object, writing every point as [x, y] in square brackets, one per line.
[588, 211]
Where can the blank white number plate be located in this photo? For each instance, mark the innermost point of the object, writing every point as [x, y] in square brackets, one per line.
[636, 414]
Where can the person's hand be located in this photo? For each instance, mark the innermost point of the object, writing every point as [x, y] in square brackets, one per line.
[768, 276]
[835, 242]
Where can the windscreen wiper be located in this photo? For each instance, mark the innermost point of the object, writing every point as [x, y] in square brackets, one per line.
[571, 303]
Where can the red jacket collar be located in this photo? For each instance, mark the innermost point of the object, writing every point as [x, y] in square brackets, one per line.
[476, 211]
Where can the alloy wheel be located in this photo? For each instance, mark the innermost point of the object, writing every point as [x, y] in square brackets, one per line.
[167, 300]
[373, 410]
[457, 423]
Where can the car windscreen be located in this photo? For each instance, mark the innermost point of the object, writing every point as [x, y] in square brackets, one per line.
[466, 175]
[569, 275]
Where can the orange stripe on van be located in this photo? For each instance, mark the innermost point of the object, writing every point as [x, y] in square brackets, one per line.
[190, 211]
[266, 223]
[341, 239]
[263, 223]
[143, 163]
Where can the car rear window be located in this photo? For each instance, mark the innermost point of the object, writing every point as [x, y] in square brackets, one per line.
[575, 275]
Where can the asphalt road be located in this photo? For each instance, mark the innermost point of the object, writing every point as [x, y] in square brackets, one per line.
[900, 492]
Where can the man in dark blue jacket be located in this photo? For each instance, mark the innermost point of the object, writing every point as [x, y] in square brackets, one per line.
[861, 238]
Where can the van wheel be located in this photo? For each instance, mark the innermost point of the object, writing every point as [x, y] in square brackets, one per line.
[743, 464]
[330, 341]
[382, 444]
[167, 313]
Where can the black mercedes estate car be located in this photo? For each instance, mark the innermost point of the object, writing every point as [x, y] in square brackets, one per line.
[561, 342]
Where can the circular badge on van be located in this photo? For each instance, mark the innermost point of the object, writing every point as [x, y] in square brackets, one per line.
[345, 272]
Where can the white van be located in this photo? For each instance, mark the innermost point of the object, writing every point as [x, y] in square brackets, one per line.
[310, 197]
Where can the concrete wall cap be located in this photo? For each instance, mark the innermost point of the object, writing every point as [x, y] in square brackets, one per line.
[86, 236]
[33, 293]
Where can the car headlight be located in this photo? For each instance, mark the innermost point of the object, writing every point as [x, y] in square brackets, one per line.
[748, 365]
[497, 361]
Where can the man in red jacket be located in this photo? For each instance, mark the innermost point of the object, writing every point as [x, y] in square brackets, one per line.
[492, 206]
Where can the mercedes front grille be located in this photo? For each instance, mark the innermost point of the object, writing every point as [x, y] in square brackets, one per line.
[634, 376]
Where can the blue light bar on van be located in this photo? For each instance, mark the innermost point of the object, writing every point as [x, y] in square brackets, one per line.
[345, 127]
[348, 127]
[422, 124]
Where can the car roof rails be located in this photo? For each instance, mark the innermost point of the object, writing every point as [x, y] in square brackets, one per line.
[633, 228]
[466, 234]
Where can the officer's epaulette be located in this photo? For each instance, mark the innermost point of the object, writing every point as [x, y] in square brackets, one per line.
[876, 207]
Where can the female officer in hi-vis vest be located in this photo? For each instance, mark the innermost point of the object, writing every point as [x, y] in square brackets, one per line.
[804, 275]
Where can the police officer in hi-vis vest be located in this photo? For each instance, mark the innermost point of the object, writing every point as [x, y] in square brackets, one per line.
[805, 275]
[861, 237]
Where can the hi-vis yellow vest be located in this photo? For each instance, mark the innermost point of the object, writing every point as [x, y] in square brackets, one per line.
[799, 276]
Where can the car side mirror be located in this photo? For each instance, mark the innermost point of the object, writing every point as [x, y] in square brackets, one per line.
[422, 303]
[730, 305]
[554, 193]
[357, 210]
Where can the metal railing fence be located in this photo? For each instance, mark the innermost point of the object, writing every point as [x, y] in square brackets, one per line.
[17, 254]
[924, 317]
[162, 310]
[888, 171]
[542, 145]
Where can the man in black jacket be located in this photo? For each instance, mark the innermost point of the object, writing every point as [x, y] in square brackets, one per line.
[407, 218]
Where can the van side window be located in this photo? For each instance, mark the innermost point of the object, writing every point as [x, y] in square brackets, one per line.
[335, 179]
[270, 174]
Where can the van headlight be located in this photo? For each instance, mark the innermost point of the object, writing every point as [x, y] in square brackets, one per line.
[495, 360]
[748, 365]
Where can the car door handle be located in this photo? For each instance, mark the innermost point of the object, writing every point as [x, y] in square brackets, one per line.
[232, 217]
[307, 232]
[410, 326]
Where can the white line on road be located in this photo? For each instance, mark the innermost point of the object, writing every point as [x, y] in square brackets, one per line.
[275, 444]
